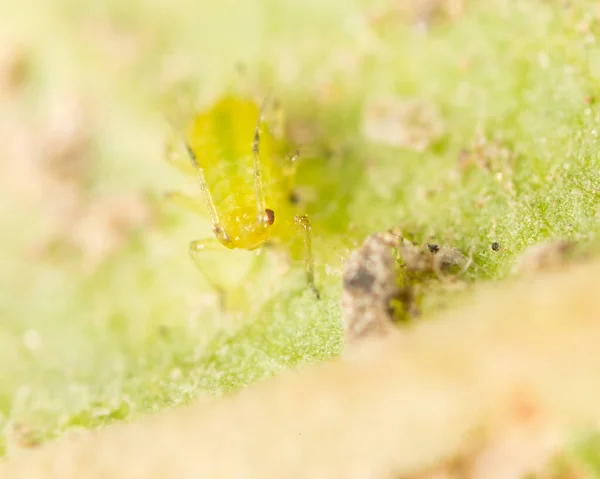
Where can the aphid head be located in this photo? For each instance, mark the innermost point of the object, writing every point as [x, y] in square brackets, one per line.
[244, 229]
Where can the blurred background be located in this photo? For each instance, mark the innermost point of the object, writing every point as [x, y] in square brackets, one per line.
[432, 115]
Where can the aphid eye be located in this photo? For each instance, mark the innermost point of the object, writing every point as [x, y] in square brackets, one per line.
[270, 216]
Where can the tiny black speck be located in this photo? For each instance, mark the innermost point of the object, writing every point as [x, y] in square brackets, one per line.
[496, 246]
[434, 248]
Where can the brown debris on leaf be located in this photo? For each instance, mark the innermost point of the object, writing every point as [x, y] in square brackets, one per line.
[432, 258]
[408, 123]
[426, 268]
[370, 284]
[380, 287]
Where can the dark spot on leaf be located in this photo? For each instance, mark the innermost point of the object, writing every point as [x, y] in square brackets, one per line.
[362, 280]
[434, 248]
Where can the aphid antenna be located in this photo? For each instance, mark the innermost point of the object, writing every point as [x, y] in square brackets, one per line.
[258, 185]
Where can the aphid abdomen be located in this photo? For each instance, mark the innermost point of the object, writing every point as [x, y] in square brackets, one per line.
[226, 181]
[245, 181]
[231, 189]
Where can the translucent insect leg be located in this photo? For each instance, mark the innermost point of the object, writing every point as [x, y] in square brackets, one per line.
[210, 205]
[186, 202]
[197, 247]
[309, 264]
[258, 186]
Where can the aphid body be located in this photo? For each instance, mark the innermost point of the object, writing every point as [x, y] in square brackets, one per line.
[246, 180]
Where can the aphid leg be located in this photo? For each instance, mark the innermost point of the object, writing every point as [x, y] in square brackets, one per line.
[258, 186]
[210, 205]
[309, 264]
[197, 247]
[209, 244]
[186, 202]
